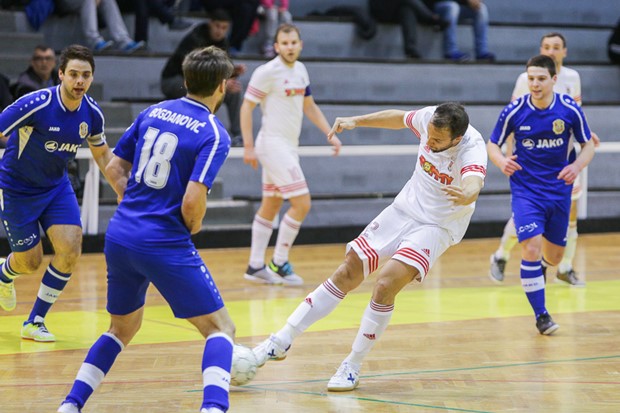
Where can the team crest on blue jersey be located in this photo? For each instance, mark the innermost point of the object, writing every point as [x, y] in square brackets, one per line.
[83, 130]
[558, 126]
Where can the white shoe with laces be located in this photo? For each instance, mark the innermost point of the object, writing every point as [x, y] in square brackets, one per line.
[346, 378]
[67, 407]
[269, 349]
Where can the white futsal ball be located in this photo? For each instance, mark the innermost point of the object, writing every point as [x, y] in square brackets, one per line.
[244, 365]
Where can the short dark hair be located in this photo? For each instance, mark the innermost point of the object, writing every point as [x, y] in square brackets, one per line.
[204, 69]
[554, 34]
[286, 28]
[220, 15]
[42, 48]
[76, 52]
[543, 61]
[452, 116]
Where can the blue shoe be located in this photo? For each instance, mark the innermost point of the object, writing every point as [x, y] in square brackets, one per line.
[458, 57]
[133, 46]
[103, 45]
[486, 57]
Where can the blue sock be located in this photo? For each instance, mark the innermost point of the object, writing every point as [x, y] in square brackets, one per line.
[216, 362]
[7, 274]
[98, 362]
[534, 285]
[52, 284]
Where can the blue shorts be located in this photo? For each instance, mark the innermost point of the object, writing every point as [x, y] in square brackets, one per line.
[182, 278]
[22, 213]
[548, 217]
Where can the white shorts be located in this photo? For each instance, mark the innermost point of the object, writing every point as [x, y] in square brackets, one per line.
[282, 175]
[394, 235]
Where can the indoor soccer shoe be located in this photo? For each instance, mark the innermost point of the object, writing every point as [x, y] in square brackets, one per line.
[262, 275]
[211, 410]
[8, 298]
[37, 331]
[346, 378]
[285, 271]
[269, 349]
[545, 324]
[67, 407]
[569, 277]
[496, 271]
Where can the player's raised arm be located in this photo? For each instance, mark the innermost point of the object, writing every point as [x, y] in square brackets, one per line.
[386, 119]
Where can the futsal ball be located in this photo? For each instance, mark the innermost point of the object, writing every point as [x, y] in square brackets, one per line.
[244, 365]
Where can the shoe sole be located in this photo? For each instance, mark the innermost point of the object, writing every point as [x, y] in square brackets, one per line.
[261, 280]
[559, 281]
[8, 308]
[49, 340]
[550, 330]
[343, 389]
[270, 359]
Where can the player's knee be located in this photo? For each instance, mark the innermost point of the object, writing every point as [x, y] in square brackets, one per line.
[26, 264]
[384, 292]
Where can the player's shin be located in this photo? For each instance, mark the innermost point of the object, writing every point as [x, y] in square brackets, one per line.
[216, 363]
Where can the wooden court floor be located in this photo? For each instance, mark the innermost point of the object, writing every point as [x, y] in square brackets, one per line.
[457, 343]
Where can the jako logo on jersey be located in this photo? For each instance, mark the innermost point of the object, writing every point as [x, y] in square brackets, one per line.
[52, 146]
[370, 336]
[525, 128]
[432, 170]
[54, 129]
[558, 126]
[295, 92]
[550, 143]
[527, 228]
[528, 143]
[27, 241]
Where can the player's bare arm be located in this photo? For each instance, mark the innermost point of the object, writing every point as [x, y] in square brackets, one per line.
[194, 206]
[466, 193]
[569, 173]
[102, 155]
[245, 120]
[117, 173]
[507, 164]
[315, 114]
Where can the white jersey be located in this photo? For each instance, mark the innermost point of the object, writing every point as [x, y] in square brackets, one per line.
[422, 197]
[568, 82]
[280, 90]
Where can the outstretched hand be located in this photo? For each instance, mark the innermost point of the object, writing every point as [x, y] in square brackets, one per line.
[341, 124]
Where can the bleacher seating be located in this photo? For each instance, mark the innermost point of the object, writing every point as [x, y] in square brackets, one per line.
[351, 76]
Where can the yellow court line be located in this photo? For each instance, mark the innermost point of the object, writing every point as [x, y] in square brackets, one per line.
[79, 329]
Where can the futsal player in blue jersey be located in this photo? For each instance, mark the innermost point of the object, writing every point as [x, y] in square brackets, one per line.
[541, 174]
[163, 167]
[45, 128]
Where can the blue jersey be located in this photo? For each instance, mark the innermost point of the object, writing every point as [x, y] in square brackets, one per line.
[542, 143]
[43, 137]
[169, 144]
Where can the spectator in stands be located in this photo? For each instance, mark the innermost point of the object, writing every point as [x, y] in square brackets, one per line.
[464, 10]
[274, 15]
[162, 9]
[6, 97]
[41, 73]
[88, 9]
[243, 13]
[613, 45]
[407, 13]
[210, 33]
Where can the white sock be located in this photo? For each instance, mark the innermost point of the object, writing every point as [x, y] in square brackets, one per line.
[569, 252]
[261, 233]
[509, 240]
[289, 228]
[374, 322]
[318, 304]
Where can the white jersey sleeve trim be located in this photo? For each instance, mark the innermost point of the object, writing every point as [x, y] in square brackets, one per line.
[216, 144]
[46, 102]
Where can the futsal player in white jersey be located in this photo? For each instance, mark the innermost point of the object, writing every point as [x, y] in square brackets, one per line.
[568, 82]
[431, 213]
[282, 88]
